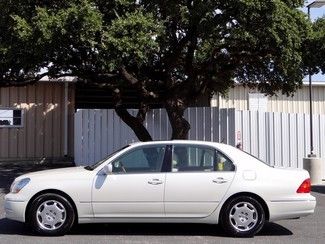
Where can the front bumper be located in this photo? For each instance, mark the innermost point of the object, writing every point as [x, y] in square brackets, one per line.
[15, 208]
[290, 209]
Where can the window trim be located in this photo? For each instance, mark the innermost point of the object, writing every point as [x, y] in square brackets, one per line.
[22, 117]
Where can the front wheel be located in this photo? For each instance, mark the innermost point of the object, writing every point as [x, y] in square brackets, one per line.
[51, 214]
[243, 216]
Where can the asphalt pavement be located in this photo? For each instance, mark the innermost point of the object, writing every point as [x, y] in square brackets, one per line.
[306, 230]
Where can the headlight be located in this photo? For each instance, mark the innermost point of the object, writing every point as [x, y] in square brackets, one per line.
[16, 186]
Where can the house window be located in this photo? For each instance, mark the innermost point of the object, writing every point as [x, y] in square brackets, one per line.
[257, 101]
[11, 117]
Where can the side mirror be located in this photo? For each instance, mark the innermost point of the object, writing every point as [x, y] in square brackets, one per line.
[108, 169]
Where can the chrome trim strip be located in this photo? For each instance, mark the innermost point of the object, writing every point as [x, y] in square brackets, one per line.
[294, 200]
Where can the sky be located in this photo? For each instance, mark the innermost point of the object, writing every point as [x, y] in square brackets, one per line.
[314, 14]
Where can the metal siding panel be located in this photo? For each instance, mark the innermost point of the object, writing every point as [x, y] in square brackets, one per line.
[261, 135]
[91, 153]
[85, 137]
[48, 122]
[316, 133]
[78, 130]
[277, 139]
[322, 136]
[300, 139]
[57, 113]
[104, 133]
[231, 127]
[306, 130]
[71, 111]
[30, 121]
[246, 131]
[4, 132]
[293, 141]
[192, 121]
[157, 123]
[98, 135]
[285, 139]
[39, 121]
[22, 140]
[321, 139]
[238, 128]
[207, 124]
[270, 119]
[215, 124]
[13, 132]
[200, 120]
[110, 131]
[253, 133]
[169, 129]
[223, 126]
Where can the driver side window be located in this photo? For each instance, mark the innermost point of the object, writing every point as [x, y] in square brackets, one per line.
[139, 160]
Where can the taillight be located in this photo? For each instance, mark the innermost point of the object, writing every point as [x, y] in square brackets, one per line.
[304, 187]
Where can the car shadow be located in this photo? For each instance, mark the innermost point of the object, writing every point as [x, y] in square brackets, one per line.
[318, 189]
[9, 227]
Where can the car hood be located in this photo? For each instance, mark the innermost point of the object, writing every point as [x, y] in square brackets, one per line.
[72, 172]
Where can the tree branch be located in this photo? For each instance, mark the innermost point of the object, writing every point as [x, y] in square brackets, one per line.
[135, 123]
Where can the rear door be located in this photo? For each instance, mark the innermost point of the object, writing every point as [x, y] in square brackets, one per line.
[199, 178]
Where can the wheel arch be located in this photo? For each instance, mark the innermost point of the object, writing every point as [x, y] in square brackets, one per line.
[249, 194]
[55, 191]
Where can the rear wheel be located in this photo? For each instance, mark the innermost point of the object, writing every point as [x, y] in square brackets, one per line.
[243, 216]
[51, 214]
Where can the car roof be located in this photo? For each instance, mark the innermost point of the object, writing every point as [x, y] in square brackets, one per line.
[195, 142]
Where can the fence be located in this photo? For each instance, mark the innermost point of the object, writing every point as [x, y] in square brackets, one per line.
[279, 139]
[98, 132]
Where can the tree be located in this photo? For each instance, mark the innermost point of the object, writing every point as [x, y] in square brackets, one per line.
[314, 48]
[169, 52]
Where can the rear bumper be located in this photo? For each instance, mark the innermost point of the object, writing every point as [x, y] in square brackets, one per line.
[15, 209]
[289, 209]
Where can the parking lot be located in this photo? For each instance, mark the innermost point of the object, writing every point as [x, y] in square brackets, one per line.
[306, 230]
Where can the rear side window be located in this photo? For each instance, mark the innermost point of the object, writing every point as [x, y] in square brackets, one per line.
[223, 163]
[199, 158]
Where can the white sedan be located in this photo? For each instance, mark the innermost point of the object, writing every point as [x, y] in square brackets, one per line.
[163, 181]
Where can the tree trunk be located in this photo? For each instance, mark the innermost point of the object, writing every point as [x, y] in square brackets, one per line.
[135, 123]
[180, 127]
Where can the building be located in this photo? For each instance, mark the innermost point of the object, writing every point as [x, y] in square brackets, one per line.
[36, 121]
[243, 98]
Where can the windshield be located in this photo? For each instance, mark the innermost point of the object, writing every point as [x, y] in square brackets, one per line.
[95, 165]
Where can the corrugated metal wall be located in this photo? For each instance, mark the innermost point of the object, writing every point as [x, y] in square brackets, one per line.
[299, 103]
[280, 139]
[42, 133]
[99, 132]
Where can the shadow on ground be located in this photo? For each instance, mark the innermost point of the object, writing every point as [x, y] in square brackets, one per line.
[319, 189]
[9, 227]
[8, 172]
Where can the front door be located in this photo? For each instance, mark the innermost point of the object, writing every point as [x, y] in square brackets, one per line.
[136, 186]
[199, 178]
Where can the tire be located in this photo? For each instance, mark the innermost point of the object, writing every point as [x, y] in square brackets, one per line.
[242, 216]
[50, 214]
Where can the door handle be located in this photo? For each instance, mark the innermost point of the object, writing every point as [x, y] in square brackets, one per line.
[219, 180]
[155, 182]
